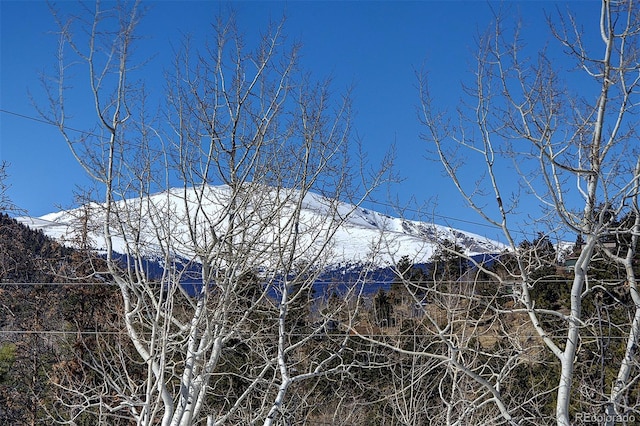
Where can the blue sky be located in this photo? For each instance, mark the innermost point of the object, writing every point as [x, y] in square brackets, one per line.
[376, 47]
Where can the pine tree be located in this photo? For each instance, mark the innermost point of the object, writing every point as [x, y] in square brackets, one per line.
[448, 262]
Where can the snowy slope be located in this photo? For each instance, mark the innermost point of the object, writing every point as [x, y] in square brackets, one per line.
[363, 236]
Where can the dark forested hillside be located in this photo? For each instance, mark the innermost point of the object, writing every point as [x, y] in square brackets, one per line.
[26, 255]
[50, 297]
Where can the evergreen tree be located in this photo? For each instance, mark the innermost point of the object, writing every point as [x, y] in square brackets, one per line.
[383, 309]
[448, 262]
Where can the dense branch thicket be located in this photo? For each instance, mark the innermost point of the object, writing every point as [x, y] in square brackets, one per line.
[59, 338]
[214, 186]
[575, 152]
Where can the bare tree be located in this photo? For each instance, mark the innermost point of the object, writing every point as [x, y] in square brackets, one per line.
[6, 204]
[575, 153]
[219, 187]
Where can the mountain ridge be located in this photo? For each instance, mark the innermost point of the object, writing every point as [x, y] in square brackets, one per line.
[353, 241]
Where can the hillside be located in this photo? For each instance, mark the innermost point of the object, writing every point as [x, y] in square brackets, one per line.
[45, 288]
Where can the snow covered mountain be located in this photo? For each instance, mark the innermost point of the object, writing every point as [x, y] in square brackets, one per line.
[364, 235]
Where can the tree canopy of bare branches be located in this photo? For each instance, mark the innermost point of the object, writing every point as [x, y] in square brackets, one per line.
[219, 176]
[575, 152]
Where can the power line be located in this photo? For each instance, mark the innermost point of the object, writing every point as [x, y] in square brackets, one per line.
[363, 282]
[409, 209]
[64, 332]
[43, 121]
[319, 333]
[70, 284]
[329, 284]
[40, 120]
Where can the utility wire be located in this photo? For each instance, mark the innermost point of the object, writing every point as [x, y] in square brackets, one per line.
[386, 205]
[43, 121]
[320, 333]
[364, 282]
